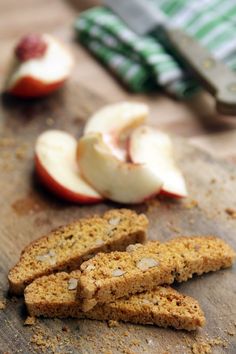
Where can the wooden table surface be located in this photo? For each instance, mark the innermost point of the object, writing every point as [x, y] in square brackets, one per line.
[28, 211]
[195, 119]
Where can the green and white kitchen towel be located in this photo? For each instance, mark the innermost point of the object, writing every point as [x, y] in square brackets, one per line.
[143, 63]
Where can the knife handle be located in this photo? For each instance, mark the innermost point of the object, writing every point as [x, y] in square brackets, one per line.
[214, 75]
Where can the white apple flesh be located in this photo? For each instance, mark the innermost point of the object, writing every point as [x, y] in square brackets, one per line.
[53, 67]
[56, 166]
[114, 179]
[154, 148]
[115, 121]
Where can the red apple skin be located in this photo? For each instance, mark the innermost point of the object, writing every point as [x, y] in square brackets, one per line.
[162, 191]
[128, 148]
[151, 196]
[29, 87]
[59, 190]
[171, 195]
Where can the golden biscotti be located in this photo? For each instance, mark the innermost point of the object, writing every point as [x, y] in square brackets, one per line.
[67, 247]
[110, 276]
[55, 296]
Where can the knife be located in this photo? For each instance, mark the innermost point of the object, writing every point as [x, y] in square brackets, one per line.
[219, 80]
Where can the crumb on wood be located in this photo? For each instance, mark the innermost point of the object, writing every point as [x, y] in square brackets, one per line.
[30, 321]
[65, 329]
[136, 342]
[6, 166]
[126, 334]
[231, 212]
[2, 304]
[50, 121]
[209, 192]
[128, 351]
[204, 346]
[175, 229]
[218, 341]
[149, 341]
[191, 204]
[20, 152]
[112, 323]
[201, 348]
[38, 339]
[153, 204]
[230, 332]
[42, 340]
[6, 142]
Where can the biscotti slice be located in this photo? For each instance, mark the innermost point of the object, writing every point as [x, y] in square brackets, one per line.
[107, 277]
[55, 296]
[67, 247]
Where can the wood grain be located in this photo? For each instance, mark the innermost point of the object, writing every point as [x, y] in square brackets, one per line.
[28, 211]
[188, 118]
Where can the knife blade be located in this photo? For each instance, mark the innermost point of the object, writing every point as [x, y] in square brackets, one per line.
[219, 80]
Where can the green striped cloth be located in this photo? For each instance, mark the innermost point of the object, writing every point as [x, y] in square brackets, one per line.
[143, 63]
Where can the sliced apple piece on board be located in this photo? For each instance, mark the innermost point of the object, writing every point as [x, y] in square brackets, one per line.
[56, 166]
[40, 65]
[115, 121]
[154, 148]
[114, 179]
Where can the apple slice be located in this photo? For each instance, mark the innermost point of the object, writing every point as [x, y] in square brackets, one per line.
[154, 148]
[56, 166]
[41, 64]
[114, 179]
[115, 121]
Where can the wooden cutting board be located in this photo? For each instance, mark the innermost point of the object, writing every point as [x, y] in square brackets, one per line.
[28, 211]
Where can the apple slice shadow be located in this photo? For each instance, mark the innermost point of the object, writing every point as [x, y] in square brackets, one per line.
[55, 202]
[12, 102]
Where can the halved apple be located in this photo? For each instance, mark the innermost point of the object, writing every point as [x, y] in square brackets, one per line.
[154, 148]
[40, 73]
[56, 166]
[114, 179]
[115, 121]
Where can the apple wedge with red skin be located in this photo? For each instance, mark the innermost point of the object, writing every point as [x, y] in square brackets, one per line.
[154, 148]
[38, 74]
[115, 121]
[29, 87]
[56, 166]
[120, 181]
